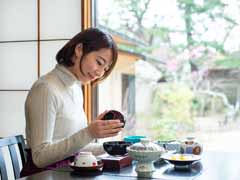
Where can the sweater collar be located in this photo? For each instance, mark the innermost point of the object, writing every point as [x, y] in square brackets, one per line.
[66, 76]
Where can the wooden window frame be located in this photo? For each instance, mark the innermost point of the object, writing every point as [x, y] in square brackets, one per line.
[86, 15]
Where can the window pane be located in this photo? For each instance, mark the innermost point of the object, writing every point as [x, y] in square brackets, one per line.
[18, 26]
[18, 65]
[60, 18]
[12, 113]
[48, 53]
[178, 72]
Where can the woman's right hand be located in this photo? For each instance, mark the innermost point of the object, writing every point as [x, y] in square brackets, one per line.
[104, 128]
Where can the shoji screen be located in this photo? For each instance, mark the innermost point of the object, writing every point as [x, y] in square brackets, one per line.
[18, 61]
[60, 20]
[31, 33]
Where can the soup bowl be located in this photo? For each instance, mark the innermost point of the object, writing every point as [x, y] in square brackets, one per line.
[113, 114]
[85, 159]
[116, 148]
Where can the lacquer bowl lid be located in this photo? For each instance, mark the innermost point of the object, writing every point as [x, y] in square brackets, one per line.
[145, 151]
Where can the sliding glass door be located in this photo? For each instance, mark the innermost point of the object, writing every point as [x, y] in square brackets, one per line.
[178, 69]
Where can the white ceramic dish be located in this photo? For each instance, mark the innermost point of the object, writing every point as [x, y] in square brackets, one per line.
[145, 153]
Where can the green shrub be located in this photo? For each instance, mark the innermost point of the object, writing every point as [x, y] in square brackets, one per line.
[172, 104]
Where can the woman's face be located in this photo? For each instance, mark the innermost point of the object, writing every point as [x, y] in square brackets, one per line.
[92, 66]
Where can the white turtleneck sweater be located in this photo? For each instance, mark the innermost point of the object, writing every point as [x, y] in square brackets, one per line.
[55, 120]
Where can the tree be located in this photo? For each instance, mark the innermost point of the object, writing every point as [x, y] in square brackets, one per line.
[196, 15]
[205, 28]
[198, 21]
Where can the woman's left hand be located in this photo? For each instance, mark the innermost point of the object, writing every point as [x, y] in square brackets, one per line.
[102, 129]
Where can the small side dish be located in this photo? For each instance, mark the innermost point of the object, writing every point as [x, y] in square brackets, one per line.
[181, 159]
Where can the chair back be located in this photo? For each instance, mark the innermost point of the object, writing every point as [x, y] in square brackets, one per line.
[12, 144]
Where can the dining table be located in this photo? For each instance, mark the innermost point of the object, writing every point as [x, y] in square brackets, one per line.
[214, 165]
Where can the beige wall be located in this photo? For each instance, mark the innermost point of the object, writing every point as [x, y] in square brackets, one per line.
[110, 94]
[110, 91]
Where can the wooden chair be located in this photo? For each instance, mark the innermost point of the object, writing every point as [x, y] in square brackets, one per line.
[11, 143]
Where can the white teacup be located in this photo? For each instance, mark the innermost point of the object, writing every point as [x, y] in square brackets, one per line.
[85, 159]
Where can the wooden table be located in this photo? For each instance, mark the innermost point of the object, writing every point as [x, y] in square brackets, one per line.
[213, 166]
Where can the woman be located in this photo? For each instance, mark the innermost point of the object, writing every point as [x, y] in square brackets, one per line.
[56, 125]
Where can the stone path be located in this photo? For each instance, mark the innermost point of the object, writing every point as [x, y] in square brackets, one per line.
[215, 137]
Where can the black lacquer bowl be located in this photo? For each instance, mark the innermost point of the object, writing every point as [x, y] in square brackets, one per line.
[113, 114]
[116, 148]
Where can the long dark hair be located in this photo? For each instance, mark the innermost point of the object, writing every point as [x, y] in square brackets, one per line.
[92, 39]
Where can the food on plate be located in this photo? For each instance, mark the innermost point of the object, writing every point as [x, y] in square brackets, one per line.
[180, 157]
